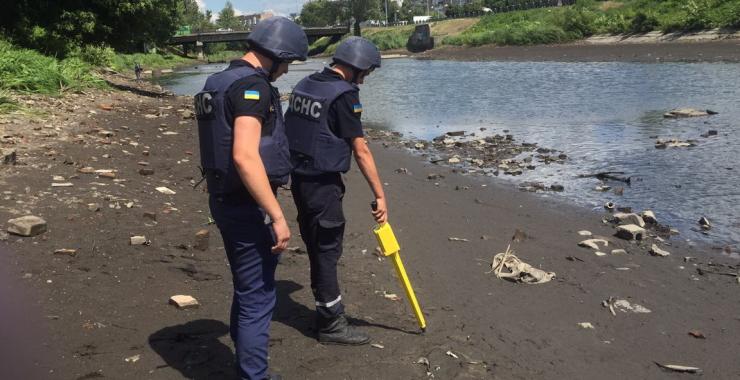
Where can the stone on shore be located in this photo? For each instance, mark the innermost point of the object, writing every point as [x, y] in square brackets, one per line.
[146, 171]
[656, 251]
[704, 223]
[10, 157]
[629, 218]
[630, 232]
[584, 233]
[166, 190]
[649, 217]
[593, 243]
[28, 225]
[66, 251]
[687, 112]
[421, 40]
[201, 240]
[139, 240]
[184, 301]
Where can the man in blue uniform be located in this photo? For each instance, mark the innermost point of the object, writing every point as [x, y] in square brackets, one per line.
[245, 157]
[324, 130]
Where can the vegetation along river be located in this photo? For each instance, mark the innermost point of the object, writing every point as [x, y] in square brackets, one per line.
[604, 116]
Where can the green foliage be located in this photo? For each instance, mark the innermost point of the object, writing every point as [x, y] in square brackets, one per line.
[224, 56]
[6, 102]
[99, 56]
[322, 13]
[588, 17]
[227, 18]
[60, 27]
[386, 39]
[26, 70]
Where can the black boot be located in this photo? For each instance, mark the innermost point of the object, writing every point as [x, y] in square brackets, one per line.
[338, 331]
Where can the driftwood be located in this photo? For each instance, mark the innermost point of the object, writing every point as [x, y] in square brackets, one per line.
[137, 90]
[608, 175]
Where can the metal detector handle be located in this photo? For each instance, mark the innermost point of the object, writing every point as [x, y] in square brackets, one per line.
[374, 205]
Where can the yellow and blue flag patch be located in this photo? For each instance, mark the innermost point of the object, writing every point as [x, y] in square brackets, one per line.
[357, 108]
[251, 95]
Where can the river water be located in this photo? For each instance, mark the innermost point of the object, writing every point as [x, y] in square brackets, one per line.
[604, 116]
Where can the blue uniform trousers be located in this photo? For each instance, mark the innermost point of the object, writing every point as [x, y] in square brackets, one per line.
[318, 200]
[247, 241]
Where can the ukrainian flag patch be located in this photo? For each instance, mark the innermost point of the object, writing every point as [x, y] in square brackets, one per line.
[357, 108]
[251, 95]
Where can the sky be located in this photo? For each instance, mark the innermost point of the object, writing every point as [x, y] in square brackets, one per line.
[281, 7]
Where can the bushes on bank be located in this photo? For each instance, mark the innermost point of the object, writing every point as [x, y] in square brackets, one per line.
[26, 70]
[588, 17]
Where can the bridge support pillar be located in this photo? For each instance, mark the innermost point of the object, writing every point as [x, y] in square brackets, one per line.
[199, 49]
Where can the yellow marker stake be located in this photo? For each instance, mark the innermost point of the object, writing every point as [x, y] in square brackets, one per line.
[389, 247]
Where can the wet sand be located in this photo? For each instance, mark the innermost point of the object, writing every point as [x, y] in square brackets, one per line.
[711, 51]
[109, 302]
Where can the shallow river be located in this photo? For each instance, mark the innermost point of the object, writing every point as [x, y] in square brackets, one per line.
[605, 116]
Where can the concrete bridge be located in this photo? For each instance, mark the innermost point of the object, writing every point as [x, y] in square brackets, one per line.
[198, 40]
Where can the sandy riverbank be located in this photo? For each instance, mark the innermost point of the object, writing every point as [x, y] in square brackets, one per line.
[108, 301]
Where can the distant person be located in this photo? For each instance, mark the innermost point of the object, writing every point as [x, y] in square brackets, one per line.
[245, 157]
[324, 130]
[138, 70]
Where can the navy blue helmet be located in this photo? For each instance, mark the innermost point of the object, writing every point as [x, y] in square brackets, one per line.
[279, 38]
[358, 53]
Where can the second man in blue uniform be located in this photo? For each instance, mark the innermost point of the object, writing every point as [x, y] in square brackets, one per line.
[324, 131]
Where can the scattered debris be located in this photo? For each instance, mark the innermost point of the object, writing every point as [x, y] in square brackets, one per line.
[457, 239]
[27, 226]
[10, 157]
[133, 359]
[656, 251]
[586, 325]
[619, 252]
[62, 184]
[146, 171]
[202, 238]
[402, 171]
[66, 251]
[452, 354]
[697, 334]
[94, 207]
[609, 206]
[673, 143]
[391, 296]
[139, 240]
[518, 271]
[165, 190]
[184, 302]
[688, 112]
[679, 368]
[594, 243]
[704, 223]
[584, 233]
[376, 345]
[624, 306]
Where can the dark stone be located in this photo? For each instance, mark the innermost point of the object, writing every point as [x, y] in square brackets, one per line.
[421, 40]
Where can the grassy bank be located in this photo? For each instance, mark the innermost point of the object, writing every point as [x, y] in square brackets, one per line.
[28, 71]
[588, 17]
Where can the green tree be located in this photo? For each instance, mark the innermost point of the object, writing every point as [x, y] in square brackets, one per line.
[322, 13]
[194, 18]
[362, 10]
[227, 18]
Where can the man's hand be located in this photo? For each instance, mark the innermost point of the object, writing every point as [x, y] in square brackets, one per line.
[282, 235]
[381, 211]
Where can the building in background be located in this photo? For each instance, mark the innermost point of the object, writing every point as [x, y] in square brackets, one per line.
[252, 19]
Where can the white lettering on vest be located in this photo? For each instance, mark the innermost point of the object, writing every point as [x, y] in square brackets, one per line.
[305, 106]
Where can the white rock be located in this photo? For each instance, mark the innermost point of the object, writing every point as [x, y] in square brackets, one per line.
[62, 184]
[649, 217]
[593, 243]
[586, 325]
[625, 218]
[630, 232]
[656, 251]
[28, 225]
[139, 240]
[619, 252]
[454, 160]
[184, 301]
[599, 253]
[165, 190]
[584, 233]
